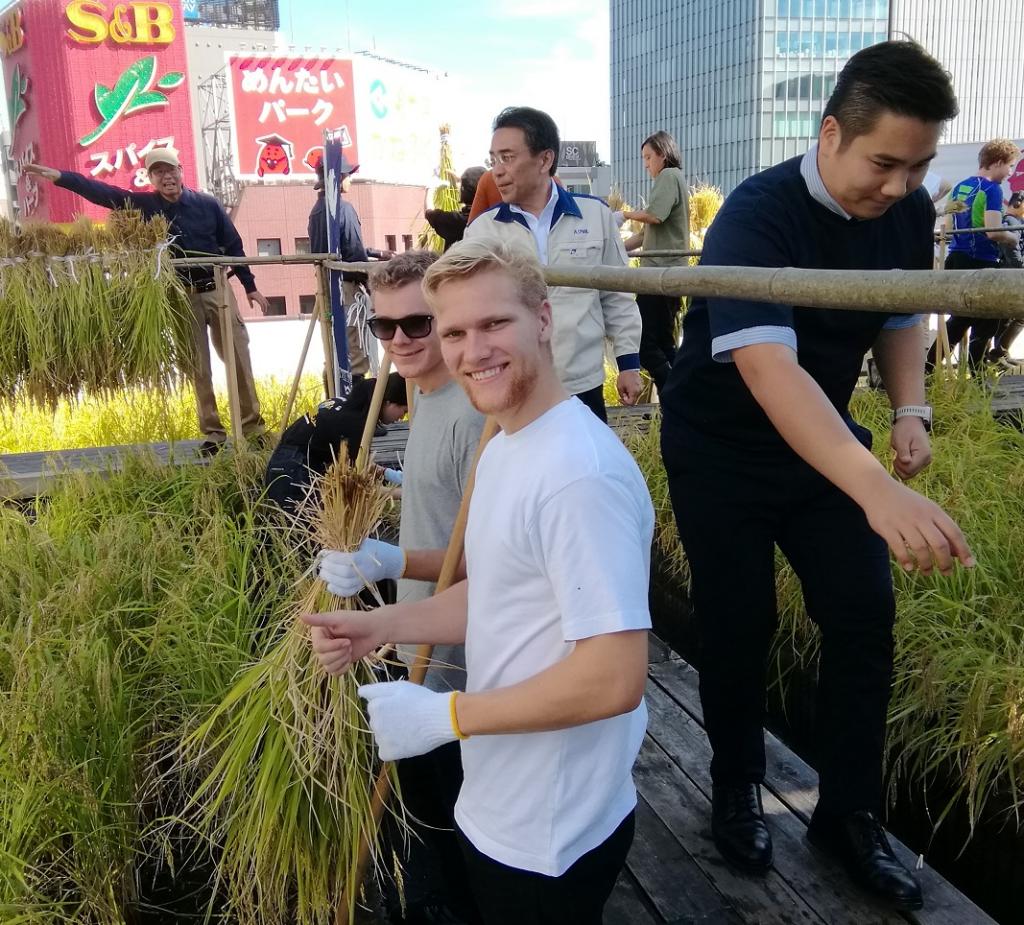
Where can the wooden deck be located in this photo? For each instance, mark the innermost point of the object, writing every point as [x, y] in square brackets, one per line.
[674, 873]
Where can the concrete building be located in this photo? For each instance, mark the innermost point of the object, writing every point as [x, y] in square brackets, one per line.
[741, 85]
[272, 219]
[271, 216]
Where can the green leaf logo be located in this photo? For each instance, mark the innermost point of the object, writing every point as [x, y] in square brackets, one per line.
[170, 80]
[17, 105]
[131, 93]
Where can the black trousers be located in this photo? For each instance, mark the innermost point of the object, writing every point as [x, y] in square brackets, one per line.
[510, 896]
[432, 862]
[982, 329]
[657, 339]
[594, 400]
[1009, 330]
[731, 513]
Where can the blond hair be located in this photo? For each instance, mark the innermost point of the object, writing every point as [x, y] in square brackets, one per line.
[402, 269]
[470, 258]
[998, 151]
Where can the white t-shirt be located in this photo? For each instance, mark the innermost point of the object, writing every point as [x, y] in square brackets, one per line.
[558, 549]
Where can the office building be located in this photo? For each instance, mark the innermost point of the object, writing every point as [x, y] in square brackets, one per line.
[742, 84]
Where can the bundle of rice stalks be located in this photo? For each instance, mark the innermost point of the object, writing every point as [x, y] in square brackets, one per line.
[705, 201]
[90, 309]
[285, 762]
[446, 194]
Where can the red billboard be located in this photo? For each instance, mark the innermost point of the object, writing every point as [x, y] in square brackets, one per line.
[92, 87]
[281, 106]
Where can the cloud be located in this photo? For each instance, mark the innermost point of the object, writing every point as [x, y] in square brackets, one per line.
[565, 72]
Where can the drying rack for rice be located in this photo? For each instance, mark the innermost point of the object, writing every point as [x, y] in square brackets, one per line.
[90, 309]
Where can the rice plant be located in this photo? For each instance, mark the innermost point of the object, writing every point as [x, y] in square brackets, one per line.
[285, 761]
[90, 308]
[127, 605]
[446, 194]
[132, 416]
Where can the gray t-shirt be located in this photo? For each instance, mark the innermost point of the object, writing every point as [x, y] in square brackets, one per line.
[439, 454]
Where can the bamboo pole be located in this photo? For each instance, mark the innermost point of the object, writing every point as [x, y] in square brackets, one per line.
[376, 400]
[323, 296]
[227, 336]
[410, 397]
[382, 787]
[290, 404]
[978, 293]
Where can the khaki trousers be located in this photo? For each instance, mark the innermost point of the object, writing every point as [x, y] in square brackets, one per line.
[206, 314]
[359, 363]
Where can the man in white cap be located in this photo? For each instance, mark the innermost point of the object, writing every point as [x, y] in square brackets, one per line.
[199, 226]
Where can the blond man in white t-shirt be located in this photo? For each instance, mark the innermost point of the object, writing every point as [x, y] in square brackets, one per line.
[553, 614]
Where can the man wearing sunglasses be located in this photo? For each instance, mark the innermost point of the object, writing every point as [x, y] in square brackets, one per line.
[443, 437]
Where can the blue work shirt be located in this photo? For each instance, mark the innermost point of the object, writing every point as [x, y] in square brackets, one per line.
[198, 223]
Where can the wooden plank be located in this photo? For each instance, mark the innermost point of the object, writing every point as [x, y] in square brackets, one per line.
[795, 784]
[658, 650]
[686, 812]
[675, 885]
[818, 880]
[627, 905]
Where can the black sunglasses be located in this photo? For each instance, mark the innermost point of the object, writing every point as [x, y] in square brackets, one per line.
[414, 326]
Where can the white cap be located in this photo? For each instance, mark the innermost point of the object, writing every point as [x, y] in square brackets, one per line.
[162, 156]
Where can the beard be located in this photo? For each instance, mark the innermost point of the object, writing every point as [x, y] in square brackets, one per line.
[518, 390]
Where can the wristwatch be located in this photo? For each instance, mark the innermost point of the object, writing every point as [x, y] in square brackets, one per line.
[924, 412]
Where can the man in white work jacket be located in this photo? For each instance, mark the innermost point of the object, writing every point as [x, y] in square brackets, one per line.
[568, 230]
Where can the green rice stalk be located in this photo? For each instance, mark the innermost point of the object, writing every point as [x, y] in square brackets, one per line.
[446, 195]
[285, 761]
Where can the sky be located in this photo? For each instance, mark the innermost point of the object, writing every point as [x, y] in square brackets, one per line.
[551, 54]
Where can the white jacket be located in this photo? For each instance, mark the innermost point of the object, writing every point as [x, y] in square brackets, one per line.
[583, 234]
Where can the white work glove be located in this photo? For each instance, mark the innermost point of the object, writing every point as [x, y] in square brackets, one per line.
[620, 219]
[407, 719]
[347, 573]
[393, 476]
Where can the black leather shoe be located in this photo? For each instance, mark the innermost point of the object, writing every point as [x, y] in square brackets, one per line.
[737, 826]
[860, 842]
[211, 447]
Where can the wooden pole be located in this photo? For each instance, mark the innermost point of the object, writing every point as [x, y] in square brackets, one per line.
[943, 355]
[227, 336]
[978, 293]
[410, 397]
[376, 400]
[382, 787]
[290, 404]
[326, 323]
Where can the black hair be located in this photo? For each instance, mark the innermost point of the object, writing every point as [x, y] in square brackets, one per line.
[538, 127]
[394, 391]
[897, 77]
[468, 184]
[362, 392]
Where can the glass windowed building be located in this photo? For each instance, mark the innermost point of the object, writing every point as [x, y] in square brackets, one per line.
[741, 84]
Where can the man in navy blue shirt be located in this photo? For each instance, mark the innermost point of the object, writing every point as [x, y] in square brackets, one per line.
[199, 226]
[351, 250]
[760, 451]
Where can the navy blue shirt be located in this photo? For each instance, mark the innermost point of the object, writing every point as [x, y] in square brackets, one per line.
[198, 223]
[771, 220]
[350, 248]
